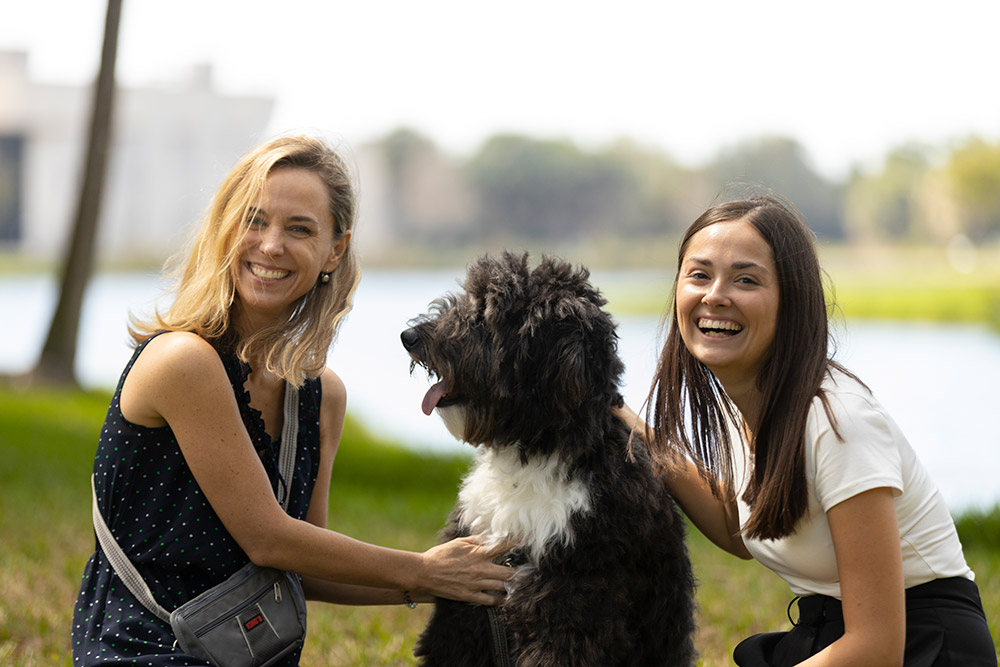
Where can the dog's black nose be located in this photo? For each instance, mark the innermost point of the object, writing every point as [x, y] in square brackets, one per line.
[410, 339]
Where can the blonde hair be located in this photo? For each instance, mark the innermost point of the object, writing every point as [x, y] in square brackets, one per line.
[204, 275]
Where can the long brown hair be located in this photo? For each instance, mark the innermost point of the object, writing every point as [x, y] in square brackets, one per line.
[204, 283]
[689, 409]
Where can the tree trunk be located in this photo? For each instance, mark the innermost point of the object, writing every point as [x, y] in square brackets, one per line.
[56, 363]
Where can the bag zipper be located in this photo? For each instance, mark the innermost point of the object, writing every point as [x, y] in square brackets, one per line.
[247, 574]
[232, 613]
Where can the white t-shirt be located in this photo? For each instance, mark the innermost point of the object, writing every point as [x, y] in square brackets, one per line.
[873, 454]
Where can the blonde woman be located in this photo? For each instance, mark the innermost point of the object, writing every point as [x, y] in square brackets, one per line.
[185, 472]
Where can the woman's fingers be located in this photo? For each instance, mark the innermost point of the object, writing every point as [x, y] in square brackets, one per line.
[463, 569]
[487, 598]
[489, 546]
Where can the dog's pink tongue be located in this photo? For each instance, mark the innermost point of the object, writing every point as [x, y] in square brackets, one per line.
[432, 397]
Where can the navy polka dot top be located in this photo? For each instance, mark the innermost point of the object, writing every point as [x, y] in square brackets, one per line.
[162, 521]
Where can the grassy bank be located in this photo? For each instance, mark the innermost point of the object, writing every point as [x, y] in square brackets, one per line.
[381, 493]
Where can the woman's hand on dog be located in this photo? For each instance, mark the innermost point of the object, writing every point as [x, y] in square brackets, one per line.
[463, 569]
[631, 420]
[666, 467]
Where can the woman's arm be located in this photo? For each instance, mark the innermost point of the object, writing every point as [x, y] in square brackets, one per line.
[870, 565]
[333, 409]
[717, 519]
[179, 380]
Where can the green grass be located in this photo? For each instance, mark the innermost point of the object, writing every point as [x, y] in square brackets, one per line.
[381, 493]
[914, 284]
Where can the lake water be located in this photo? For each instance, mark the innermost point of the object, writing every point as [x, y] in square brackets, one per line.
[938, 381]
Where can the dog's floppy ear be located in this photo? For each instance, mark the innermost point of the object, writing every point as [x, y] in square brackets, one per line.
[572, 375]
[502, 284]
[499, 288]
[575, 343]
[568, 341]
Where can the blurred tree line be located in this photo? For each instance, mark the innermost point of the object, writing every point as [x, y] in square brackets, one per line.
[520, 188]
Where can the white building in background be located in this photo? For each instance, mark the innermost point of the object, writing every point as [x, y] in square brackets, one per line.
[171, 147]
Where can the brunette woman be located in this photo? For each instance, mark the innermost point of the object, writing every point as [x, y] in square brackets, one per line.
[778, 453]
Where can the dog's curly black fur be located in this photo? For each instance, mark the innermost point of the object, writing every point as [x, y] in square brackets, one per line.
[529, 360]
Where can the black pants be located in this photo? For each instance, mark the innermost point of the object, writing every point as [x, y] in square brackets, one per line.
[945, 627]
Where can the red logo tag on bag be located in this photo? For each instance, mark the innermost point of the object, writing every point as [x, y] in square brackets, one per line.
[253, 622]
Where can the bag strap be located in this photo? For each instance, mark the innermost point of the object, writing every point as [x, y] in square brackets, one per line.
[124, 568]
[289, 442]
[122, 565]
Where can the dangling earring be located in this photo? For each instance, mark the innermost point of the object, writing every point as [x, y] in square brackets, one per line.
[324, 278]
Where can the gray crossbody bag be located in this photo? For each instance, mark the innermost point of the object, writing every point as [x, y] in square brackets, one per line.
[252, 619]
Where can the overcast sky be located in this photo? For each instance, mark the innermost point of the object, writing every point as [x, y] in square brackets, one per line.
[847, 79]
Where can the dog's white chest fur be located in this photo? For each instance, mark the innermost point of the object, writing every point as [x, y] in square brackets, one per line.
[529, 505]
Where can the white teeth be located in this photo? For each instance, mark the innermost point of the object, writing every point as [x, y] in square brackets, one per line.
[705, 323]
[267, 274]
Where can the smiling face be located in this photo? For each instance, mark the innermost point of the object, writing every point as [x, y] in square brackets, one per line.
[727, 300]
[289, 242]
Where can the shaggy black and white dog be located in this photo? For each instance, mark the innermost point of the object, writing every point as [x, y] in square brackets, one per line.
[529, 371]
